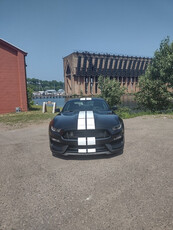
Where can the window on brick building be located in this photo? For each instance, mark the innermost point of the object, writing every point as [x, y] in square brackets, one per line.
[96, 84]
[68, 71]
[91, 85]
[86, 85]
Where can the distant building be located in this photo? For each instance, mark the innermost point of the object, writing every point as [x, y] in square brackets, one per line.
[82, 69]
[13, 92]
[61, 92]
[50, 92]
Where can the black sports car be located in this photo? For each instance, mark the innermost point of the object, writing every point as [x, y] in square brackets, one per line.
[86, 126]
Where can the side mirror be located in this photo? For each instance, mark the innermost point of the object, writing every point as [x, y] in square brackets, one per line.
[114, 107]
[57, 110]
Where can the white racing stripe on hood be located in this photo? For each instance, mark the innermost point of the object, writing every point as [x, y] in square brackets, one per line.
[90, 115]
[81, 124]
[86, 118]
[81, 115]
[90, 120]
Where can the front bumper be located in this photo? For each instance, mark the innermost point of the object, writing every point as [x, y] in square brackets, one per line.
[114, 144]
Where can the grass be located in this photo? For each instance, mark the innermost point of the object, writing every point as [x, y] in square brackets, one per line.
[35, 115]
[125, 113]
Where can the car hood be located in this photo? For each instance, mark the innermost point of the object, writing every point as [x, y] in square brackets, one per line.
[69, 120]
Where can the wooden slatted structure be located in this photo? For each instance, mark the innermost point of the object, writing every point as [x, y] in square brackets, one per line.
[82, 69]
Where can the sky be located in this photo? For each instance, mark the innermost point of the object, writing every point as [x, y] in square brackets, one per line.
[49, 30]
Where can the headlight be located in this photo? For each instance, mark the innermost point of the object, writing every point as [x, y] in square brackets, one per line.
[116, 127]
[55, 129]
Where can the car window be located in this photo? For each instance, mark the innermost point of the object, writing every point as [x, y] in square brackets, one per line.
[97, 105]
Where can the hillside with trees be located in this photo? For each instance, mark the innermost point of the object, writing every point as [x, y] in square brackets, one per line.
[43, 85]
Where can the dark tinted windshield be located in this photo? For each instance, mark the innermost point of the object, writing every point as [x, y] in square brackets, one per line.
[85, 105]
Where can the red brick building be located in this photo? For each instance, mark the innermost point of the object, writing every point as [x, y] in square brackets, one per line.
[12, 78]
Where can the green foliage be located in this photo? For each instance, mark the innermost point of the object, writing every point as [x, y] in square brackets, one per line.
[29, 97]
[153, 94]
[75, 95]
[162, 64]
[110, 90]
[35, 115]
[125, 113]
[40, 85]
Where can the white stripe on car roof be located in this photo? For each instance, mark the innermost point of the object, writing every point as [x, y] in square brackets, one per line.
[85, 98]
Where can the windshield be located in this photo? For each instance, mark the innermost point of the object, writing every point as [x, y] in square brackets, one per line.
[86, 105]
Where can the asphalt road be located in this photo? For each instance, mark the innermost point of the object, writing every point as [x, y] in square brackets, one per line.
[130, 191]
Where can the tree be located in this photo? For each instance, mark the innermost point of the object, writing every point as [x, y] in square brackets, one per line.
[29, 97]
[157, 80]
[153, 95]
[37, 85]
[110, 90]
[162, 64]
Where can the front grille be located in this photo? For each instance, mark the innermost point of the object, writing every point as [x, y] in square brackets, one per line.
[99, 149]
[86, 133]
